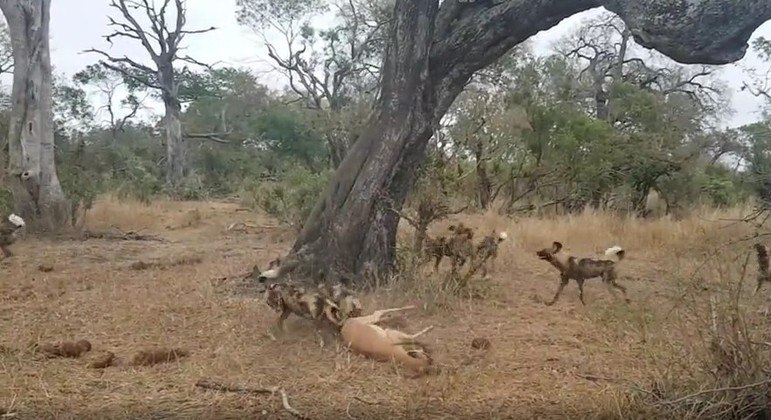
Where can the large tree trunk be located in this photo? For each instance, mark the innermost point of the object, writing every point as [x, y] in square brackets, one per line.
[38, 195]
[432, 52]
[353, 226]
[176, 146]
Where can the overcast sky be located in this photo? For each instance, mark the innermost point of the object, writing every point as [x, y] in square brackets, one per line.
[74, 29]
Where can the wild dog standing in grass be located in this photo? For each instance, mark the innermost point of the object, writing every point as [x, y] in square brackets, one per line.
[764, 274]
[361, 335]
[487, 249]
[9, 229]
[342, 296]
[458, 247]
[287, 299]
[583, 269]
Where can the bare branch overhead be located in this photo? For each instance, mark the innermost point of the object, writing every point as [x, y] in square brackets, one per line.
[161, 41]
[323, 67]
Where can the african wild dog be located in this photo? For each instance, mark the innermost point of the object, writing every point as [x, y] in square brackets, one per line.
[335, 291]
[9, 230]
[487, 249]
[764, 274]
[289, 298]
[458, 247]
[583, 269]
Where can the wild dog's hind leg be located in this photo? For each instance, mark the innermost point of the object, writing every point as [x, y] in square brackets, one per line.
[563, 282]
[278, 327]
[322, 332]
[581, 291]
[6, 252]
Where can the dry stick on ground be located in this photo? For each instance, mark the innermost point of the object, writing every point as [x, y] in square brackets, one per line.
[122, 236]
[255, 391]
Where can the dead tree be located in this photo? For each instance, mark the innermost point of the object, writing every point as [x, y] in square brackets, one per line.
[162, 42]
[431, 53]
[38, 195]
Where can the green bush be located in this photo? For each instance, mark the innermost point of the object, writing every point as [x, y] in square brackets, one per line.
[138, 181]
[192, 188]
[291, 198]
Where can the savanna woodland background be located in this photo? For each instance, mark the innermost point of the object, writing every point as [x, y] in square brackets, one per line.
[140, 229]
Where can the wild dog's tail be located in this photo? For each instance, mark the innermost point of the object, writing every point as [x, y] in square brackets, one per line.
[268, 275]
[616, 251]
[502, 236]
[16, 220]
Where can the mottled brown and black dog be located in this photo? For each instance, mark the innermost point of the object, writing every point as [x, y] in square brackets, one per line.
[583, 269]
[288, 298]
[458, 246]
[487, 250]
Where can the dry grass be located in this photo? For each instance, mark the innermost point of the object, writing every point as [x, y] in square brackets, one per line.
[552, 362]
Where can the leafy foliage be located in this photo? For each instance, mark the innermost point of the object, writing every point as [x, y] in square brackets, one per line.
[290, 199]
[527, 134]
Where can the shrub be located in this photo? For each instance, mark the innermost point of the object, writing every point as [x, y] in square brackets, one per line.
[291, 198]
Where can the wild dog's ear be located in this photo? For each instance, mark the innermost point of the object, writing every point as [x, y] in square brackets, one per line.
[556, 246]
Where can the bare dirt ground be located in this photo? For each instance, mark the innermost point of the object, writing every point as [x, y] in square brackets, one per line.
[564, 361]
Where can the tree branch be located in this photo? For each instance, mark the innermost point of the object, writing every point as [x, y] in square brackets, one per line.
[124, 60]
[471, 35]
[208, 136]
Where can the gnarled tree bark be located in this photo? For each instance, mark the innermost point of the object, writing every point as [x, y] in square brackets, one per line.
[431, 54]
[38, 195]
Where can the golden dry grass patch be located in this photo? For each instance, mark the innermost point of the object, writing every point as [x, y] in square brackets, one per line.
[565, 360]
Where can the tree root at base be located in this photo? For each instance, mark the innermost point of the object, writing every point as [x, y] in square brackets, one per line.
[214, 386]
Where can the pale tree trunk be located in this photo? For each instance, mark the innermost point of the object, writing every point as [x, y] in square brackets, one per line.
[38, 195]
[176, 147]
[432, 52]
